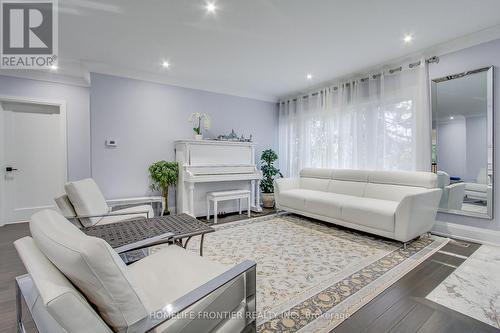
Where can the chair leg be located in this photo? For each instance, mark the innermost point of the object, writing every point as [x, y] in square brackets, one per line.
[19, 310]
[239, 206]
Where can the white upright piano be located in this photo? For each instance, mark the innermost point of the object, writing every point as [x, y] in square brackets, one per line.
[210, 165]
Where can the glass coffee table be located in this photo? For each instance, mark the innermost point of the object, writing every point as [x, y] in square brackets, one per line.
[126, 236]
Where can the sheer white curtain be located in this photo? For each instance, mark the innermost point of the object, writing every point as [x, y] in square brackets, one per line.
[383, 122]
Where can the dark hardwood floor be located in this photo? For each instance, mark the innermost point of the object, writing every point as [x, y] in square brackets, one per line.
[400, 308]
[10, 267]
[403, 306]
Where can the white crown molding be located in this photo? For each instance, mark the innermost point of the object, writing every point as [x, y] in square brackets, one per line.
[47, 77]
[467, 233]
[100, 68]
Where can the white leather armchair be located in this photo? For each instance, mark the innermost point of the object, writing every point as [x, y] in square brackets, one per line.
[77, 283]
[85, 202]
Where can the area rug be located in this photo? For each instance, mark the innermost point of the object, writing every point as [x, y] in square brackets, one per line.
[311, 276]
[474, 287]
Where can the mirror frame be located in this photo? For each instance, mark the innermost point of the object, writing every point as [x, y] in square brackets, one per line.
[490, 118]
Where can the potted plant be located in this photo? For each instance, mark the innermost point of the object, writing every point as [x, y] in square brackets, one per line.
[163, 175]
[269, 173]
[196, 119]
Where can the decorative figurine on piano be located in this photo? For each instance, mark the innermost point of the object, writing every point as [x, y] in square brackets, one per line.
[196, 119]
[234, 137]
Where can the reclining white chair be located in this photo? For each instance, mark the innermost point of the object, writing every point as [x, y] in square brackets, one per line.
[85, 202]
[77, 283]
[453, 194]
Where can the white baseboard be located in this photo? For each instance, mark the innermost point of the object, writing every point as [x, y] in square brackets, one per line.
[15, 222]
[467, 233]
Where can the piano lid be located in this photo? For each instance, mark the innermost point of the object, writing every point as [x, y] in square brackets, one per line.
[216, 153]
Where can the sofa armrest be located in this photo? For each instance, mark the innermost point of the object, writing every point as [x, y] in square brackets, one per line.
[416, 214]
[246, 268]
[284, 184]
[456, 193]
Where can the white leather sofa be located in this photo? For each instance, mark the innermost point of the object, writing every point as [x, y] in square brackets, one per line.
[453, 194]
[84, 201]
[77, 283]
[481, 189]
[394, 204]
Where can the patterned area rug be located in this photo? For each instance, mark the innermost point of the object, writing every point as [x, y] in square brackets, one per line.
[312, 276]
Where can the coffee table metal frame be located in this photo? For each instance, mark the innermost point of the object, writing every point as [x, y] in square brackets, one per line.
[137, 234]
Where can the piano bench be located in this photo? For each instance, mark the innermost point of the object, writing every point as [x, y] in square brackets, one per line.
[227, 195]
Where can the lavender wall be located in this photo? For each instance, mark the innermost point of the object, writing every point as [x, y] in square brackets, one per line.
[147, 117]
[77, 116]
[483, 55]
[452, 144]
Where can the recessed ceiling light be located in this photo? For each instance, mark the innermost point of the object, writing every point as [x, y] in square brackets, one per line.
[53, 67]
[165, 64]
[408, 38]
[451, 118]
[309, 76]
[210, 7]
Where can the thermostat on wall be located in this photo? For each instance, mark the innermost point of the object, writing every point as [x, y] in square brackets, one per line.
[111, 143]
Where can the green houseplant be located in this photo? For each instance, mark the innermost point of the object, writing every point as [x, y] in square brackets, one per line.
[269, 172]
[163, 174]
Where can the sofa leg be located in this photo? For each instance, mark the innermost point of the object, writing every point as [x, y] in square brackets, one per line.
[405, 245]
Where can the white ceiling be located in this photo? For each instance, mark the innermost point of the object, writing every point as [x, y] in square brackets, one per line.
[257, 48]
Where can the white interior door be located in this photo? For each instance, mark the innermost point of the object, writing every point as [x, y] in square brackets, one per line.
[34, 159]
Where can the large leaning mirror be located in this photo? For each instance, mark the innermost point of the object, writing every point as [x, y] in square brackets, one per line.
[462, 141]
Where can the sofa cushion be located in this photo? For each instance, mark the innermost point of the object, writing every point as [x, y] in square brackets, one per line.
[316, 173]
[326, 204]
[186, 270]
[314, 184]
[405, 178]
[350, 175]
[390, 192]
[476, 187]
[87, 199]
[92, 266]
[347, 187]
[293, 198]
[373, 213]
[163, 284]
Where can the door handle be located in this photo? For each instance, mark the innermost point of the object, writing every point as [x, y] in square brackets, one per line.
[10, 169]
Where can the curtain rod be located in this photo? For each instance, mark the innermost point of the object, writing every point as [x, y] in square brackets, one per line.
[431, 60]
